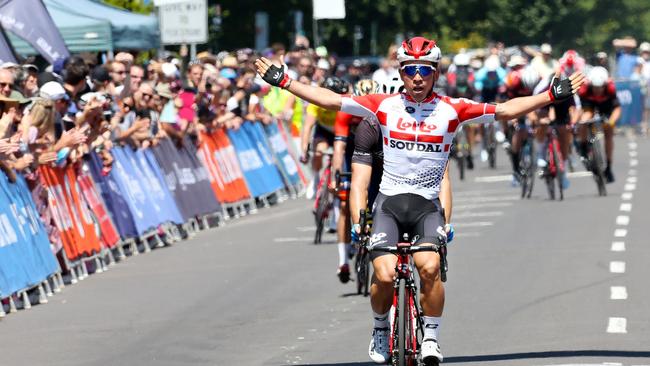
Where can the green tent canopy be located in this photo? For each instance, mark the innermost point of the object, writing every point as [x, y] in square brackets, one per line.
[90, 26]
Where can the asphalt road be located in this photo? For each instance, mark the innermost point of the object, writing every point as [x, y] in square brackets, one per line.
[533, 282]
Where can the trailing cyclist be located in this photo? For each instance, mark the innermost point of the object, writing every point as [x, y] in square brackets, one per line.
[322, 121]
[417, 128]
[460, 84]
[599, 96]
[344, 127]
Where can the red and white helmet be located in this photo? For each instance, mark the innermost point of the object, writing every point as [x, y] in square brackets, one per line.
[419, 49]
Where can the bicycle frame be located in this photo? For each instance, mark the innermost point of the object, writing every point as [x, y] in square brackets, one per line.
[405, 274]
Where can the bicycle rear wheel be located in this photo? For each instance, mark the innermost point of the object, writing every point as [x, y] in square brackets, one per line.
[559, 169]
[363, 275]
[598, 165]
[527, 169]
[322, 209]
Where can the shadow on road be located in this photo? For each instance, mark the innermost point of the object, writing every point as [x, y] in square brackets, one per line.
[522, 356]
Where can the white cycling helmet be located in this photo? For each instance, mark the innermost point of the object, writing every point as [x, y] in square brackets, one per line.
[393, 86]
[598, 76]
[419, 49]
[530, 77]
[461, 59]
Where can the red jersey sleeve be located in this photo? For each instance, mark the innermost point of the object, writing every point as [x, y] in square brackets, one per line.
[342, 124]
[363, 106]
[470, 111]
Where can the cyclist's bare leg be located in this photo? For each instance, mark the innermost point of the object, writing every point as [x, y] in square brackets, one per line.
[470, 135]
[381, 289]
[582, 131]
[317, 162]
[565, 143]
[432, 291]
[343, 231]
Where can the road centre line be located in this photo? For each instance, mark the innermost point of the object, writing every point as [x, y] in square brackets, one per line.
[633, 154]
[629, 186]
[631, 179]
[627, 196]
[618, 293]
[623, 220]
[632, 145]
[617, 325]
[620, 233]
[627, 207]
[632, 172]
[472, 206]
[618, 246]
[634, 162]
[617, 267]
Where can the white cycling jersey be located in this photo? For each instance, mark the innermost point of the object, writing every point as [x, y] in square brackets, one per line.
[416, 136]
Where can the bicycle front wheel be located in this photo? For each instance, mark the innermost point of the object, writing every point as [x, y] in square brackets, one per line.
[559, 167]
[402, 324]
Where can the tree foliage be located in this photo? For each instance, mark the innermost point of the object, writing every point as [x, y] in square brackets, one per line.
[586, 25]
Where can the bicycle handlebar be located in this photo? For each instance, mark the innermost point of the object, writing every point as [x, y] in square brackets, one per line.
[408, 249]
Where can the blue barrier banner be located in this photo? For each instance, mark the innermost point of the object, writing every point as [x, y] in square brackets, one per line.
[157, 188]
[629, 95]
[25, 255]
[281, 150]
[256, 134]
[143, 210]
[187, 182]
[115, 200]
[255, 160]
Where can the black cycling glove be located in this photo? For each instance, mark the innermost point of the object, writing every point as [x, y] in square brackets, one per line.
[277, 77]
[560, 89]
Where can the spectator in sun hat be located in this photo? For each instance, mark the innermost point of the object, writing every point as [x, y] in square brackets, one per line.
[55, 92]
[6, 82]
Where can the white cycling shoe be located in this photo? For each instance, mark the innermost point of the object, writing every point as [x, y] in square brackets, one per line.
[430, 351]
[378, 349]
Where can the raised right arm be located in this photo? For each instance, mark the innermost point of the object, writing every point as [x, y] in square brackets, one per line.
[322, 97]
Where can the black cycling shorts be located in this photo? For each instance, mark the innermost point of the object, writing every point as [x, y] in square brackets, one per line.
[407, 213]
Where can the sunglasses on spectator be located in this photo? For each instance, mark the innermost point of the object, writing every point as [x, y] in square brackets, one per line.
[135, 76]
[424, 70]
[4, 85]
[121, 72]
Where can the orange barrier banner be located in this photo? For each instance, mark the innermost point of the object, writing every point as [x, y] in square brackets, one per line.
[218, 156]
[108, 232]
[70, 213]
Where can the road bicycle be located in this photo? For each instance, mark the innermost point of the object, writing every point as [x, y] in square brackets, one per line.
[324, 199]
[527, 165]
[362, 256]
[407, 328]
[594, 159]
[554, 171]
[490, 143]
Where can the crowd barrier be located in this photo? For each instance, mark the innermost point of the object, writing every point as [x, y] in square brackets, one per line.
[630, 95]
[157, 195]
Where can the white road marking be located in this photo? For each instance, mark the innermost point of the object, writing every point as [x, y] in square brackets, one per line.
[482, 192]
[488, 199]
[627, 196]
[472, 224]
[508, 177]
[634, 162]
[464, 234]
[623, 220]
[620, 233]
[617, 325]
[632, 172]
[481, 205]
[618, 293]
[304, 229]
[618, 246]
[617, 267]
[632, 145]
[633, 154]
[627, 207]
[631, 179]
[287, 240]
[478, 214]
[629, 186]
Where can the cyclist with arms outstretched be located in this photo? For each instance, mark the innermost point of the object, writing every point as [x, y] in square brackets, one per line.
[417, 127]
